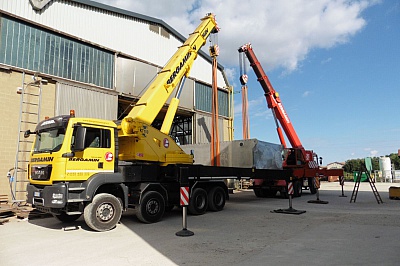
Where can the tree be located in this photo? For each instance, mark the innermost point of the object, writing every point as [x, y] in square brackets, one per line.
[395, 159]
[355, 164]
[352, 165]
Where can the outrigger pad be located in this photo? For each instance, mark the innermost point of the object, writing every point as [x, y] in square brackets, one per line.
[184, 232]
[289, 211]
[318, 201]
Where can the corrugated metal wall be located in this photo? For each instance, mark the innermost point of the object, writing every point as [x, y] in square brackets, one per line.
[186, 97]
[202, 128]
[133, 77]
[86, 102]
[118, 32]
[128, 35]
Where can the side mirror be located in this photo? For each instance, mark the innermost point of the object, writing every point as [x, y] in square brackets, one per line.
[320, 160]
[79, 141]
[27, 133]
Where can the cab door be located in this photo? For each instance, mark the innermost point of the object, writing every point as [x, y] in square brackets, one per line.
[98, 154]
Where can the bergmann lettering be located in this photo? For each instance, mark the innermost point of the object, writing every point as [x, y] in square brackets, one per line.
[83, 160]
[179, 68]
[43, 159]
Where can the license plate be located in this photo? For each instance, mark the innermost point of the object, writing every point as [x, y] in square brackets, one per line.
[36, 194]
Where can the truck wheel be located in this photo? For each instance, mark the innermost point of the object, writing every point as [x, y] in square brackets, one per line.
[216, 199]
[65, 218]
[311, 185]
[298, 189]
[198, 202]
[151, 208]
[103, 213]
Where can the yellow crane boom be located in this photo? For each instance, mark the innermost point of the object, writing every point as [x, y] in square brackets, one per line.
[150, 104]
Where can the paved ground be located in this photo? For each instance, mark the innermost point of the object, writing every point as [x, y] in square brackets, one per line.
[245, 233]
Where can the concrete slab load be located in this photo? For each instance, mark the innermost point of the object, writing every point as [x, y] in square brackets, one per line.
[246, 232]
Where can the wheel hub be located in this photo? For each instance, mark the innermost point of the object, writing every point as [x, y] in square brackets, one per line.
[218, 199]
[200, 202]
[105, 212]
[152, 207]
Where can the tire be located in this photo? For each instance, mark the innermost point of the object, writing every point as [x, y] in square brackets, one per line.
[298, 188]
[216, 199]
[65, 218]
[311, 186]
[151, 208]
[198, 202]
[103, 213]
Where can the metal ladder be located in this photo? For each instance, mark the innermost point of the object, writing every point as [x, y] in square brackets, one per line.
[371, 183]
[29, 116]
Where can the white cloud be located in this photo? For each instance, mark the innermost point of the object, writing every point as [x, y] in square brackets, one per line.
[256, 108]
[373, 153]
[306, 93]
[326, 61]
[264, 113]
[232, 74]
[282, 32]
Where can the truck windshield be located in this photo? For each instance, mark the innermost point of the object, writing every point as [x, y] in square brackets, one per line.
[49, 140]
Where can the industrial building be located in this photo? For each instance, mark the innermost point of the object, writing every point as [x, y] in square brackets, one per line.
[58, 55]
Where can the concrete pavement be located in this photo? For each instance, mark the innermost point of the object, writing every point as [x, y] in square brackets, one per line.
[246, 232]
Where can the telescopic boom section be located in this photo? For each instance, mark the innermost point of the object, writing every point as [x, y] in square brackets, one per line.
[273, 100]
[159, 91]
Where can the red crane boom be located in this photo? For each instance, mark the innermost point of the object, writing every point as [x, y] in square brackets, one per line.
[273, 100]
[304, 163]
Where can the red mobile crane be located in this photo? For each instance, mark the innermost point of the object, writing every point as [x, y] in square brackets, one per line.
[304, 163]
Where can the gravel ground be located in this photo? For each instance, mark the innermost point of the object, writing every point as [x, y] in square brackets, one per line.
[246, 232]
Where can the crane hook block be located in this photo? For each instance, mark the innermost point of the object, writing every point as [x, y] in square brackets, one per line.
[243, 79]
[214, 50]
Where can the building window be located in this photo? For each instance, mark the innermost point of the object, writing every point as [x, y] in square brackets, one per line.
[30, 47]
[181, 130]
[204, 99]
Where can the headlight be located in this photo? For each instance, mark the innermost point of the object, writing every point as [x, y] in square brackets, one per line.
[58, 196]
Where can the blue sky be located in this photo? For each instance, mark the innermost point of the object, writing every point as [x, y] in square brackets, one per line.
[344, 101]
[335, 64]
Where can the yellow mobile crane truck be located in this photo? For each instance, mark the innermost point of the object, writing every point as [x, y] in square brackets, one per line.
[101, 168]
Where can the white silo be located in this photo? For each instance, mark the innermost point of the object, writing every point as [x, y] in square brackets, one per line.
[386, 168]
